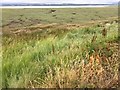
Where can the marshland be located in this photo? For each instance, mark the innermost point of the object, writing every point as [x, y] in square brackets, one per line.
[60, 48]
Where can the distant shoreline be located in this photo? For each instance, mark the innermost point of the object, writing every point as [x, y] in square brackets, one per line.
[64, 5]
[89, 6]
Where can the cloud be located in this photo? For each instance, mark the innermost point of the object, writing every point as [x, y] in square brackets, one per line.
[63, 1]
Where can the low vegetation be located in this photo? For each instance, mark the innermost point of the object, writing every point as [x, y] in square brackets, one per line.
[17, 18]
[61, 55]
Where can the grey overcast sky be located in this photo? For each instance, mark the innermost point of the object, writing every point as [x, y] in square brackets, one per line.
[62, 1]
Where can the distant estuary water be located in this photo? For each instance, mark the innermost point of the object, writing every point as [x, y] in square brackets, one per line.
[53, 6]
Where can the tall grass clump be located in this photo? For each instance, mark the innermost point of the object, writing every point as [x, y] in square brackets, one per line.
[68, 61]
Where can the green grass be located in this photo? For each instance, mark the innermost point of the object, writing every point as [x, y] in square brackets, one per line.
[34, 61]
[60, 55]
[35, 16]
